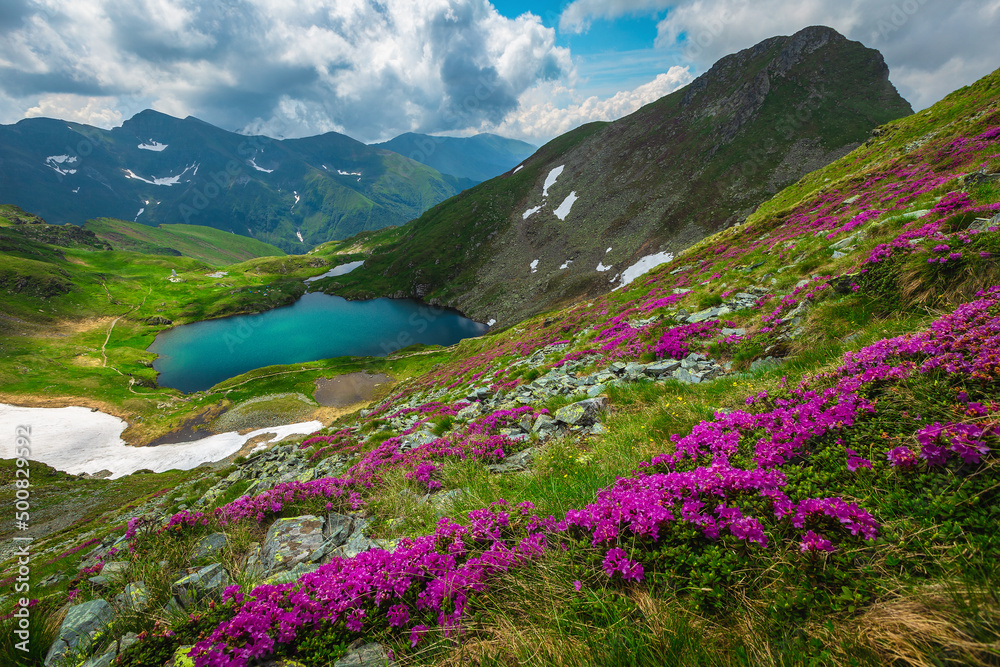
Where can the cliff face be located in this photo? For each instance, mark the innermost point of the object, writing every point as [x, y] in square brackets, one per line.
[687, 165]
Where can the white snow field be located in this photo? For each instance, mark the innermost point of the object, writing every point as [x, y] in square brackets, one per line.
[77, 440]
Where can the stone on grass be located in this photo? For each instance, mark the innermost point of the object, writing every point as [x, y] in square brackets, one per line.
[82, 623]
[369, 655]
[205, 583]
[290, 542]
[209, 547]
[582, 413]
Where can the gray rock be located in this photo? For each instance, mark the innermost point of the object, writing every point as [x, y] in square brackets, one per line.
[544, 425]
[209, 547]
[685, 375]
[468, 413]
[290, 542]
[205, 583]
[416, 440]
[288, 576]
[518, 462]
[703, 315]
[845, 242]
[596, 390]
[660, 368]
[135, 597]
[51, 580]
[837, 254]
[766, 362]
[98, 581]
[115, 568]
[369, 655]
[582, 413]
[82, 622]
[252, 565]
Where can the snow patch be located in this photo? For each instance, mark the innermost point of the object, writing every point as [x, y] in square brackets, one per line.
[153, 146]
[565, 207]
[76, 190]
[491, 323]
[607, 251]
[167, 180]
[138, 214]
[519, 168]
[550, 180]
[534, 266]
[258, 168]
[77, 440]
[565, 265]
[601, 268]
[54, 161]
[643, 265]
[530, 212]
[341, 270]
[299, 234]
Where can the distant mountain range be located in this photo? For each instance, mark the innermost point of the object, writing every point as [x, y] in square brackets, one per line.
[594, 201]
[292, 193]
[479, 158]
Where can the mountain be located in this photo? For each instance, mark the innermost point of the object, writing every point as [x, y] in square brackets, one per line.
[783, 442]
[157, 169]
[596, 200]
[477, 158]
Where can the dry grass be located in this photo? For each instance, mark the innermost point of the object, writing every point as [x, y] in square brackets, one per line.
[940, 625]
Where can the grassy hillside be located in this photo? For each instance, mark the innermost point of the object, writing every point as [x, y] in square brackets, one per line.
[206, 244]
[794, 461]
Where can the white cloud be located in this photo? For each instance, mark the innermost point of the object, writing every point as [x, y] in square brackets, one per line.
[553, 109]
[96, 111]
[288, 67]
[931, 47]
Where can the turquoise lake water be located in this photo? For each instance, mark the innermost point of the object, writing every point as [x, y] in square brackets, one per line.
[197, 356]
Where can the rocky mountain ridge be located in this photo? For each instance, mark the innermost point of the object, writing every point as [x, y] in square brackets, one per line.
[595, 201]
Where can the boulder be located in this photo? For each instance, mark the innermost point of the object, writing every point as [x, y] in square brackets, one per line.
[416, 439]
[115, 568]
[82, 623]
[582, 413]
[369, 655]
[518, 462]
[135, 597]
[339, 528]
[661, 368]
[544, 425]
[209, 547]
[290, 542]
[205, 583]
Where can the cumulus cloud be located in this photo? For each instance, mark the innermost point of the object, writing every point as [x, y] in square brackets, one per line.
[550, 110]
[287, 67]
[96, 111]
[931, 47]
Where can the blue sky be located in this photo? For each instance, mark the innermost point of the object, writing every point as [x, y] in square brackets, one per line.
[373, 69]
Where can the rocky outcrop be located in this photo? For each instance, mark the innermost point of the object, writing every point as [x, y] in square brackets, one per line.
[78, 629]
